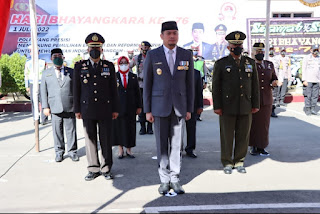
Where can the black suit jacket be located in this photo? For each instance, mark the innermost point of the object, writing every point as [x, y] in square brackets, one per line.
[130, 98]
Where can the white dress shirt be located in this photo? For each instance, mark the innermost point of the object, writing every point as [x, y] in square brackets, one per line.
[58, 71]
[174, 54]
[121, 76]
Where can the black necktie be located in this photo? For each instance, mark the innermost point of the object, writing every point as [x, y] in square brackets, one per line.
[238, 62]
[95, 66]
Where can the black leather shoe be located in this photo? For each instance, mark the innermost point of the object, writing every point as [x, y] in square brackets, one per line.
[254, 151]
[120, 156]
[142, 131]
[130, 155]
[107, 175]
[74, 157]
[227, 170]
[59, 157]
[191, 155]
[241, 169]
[274, 115]
[263, 152]
[150, 131]
[177, 188]
[164, 188]
[92, 175]
[199, 119]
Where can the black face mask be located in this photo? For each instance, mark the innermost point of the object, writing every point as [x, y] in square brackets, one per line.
[144, 52]
[237, 50]
[259, 56]
[95, 54]
[271, 53]
[130, 56]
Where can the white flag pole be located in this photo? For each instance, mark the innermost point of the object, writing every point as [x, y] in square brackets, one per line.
[35, 69]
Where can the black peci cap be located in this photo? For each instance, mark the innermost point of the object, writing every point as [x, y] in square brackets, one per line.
[235, 37]
[170, 25]
[56, 50]
[94, 40]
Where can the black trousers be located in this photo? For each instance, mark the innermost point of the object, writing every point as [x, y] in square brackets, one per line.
[91, 140]
[191, 132]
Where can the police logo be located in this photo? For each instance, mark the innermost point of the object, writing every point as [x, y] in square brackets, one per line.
[159, 71]
[95, 38]
[237, 36]
[228, 69]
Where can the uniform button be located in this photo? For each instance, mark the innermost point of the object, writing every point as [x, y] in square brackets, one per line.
[227, 96]
[94, 76]
[262, 74]
[262, 80]
[84, 101]
[95, 92]
[262, 87]
[108, 101]
[94, 83]
[95, 99]
[240, 86]
[241, 78]
[241, 95]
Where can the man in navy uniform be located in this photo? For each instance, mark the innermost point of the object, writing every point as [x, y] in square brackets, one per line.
[235, 95]
[168, 97]
[220, 49]
[96, 101]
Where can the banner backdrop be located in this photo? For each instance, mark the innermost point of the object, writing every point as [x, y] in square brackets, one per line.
[65, 24]
[296, 35]
[125, 24]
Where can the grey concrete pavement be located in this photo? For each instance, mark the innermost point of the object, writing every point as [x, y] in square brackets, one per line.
[286, 181]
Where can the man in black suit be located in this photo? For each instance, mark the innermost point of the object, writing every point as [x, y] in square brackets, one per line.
[198, 108]
[96, 101]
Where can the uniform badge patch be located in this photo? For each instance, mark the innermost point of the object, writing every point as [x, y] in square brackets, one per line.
[228, 68]
[159, 71]
[85, 81]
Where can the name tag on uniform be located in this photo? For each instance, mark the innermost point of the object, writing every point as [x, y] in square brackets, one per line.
[105, 71]
[248, 69]
[84, 71]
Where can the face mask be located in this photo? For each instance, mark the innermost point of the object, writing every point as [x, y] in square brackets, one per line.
[259, 56]
[237, 50]
[130, 56]
[124, 67]
[95, 54]
[195, 53]
[57, 61]
[271, 53]
[144, 52]
[283, 53]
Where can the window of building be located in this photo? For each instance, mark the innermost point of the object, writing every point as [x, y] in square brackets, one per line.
[291, 15]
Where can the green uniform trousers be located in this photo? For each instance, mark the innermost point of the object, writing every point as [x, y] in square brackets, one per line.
[237, 126]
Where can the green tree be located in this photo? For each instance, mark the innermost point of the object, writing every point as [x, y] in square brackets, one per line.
[12, 72]
[76, 59]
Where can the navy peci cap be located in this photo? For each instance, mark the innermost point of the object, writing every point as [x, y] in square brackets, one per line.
[170, 25]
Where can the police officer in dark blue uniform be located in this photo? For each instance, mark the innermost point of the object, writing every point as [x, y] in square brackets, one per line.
[96, 101]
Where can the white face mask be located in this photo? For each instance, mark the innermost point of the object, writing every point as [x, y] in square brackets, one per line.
[124, 67]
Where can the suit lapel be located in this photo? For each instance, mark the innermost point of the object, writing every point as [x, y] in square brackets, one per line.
[164, 58]
[178, 55]
[120, 80]
[65, 76]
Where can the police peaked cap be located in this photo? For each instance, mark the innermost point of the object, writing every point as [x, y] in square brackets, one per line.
[315, 47]
[56, 50]
[221, 27]
[197, 25]
[94, 40]
[258, 46]
[235, 37]
[170, 25]
[145, 43]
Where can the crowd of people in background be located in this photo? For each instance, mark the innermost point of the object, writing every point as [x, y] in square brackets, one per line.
[163, 87]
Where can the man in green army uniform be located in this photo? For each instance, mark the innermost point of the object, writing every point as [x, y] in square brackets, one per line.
[235, 94]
